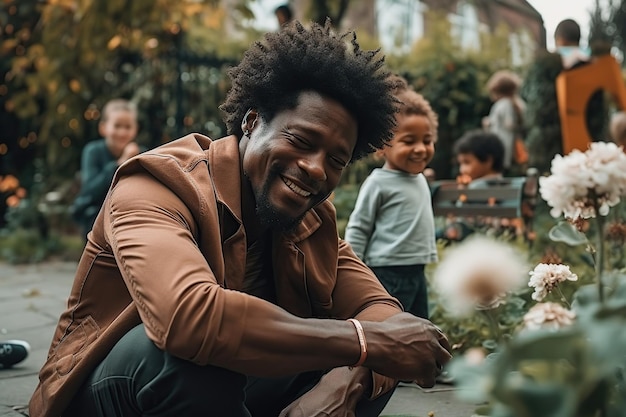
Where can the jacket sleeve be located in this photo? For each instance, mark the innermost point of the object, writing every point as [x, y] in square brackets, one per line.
[184, 309]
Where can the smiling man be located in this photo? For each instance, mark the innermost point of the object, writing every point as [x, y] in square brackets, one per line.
[214, 282]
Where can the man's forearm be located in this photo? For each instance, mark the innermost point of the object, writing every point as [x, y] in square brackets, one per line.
[271, 335]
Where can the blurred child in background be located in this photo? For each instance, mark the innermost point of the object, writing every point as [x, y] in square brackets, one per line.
[506, 117]
[100, 158]
[480, 155]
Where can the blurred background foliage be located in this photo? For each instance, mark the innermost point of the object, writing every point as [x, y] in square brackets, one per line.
[61, 60]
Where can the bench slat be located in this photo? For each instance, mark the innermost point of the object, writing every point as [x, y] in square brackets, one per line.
[498, 198]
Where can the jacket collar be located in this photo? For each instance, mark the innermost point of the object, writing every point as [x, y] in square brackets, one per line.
[224, 165]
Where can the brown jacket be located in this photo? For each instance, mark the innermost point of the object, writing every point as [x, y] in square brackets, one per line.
[168, 248]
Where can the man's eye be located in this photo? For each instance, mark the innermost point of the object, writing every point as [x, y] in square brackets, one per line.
[337, 163]
[298, 141]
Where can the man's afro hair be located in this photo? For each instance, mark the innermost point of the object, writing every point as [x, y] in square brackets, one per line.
[273, 72]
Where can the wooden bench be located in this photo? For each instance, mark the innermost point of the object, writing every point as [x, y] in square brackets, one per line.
[506, 198]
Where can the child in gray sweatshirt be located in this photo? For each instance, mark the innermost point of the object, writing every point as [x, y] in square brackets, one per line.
[392, 226]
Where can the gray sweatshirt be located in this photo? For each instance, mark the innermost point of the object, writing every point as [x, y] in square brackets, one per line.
[392, 222]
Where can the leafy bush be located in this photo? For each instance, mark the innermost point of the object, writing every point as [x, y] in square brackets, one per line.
[29, 238]
[22, 246]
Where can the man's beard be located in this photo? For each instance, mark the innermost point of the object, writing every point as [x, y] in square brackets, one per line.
[269, 215]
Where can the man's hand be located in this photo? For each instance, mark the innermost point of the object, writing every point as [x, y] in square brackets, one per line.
[407, 348]
[335, 395]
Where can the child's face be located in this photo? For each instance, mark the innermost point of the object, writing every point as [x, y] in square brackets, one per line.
[119, 129]
[473, 167]
[413, 145]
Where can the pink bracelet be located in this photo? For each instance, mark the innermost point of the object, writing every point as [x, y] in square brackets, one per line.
[362, 342]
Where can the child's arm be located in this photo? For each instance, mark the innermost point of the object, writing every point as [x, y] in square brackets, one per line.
[96, 175]
[363, 218]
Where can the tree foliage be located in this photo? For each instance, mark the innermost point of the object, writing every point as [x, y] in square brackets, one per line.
[619, 20]
[320, 10]
[76, 55]
[607, 27]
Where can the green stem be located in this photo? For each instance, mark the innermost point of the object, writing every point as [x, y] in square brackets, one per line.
[600, 256]
[558, 288]
[494, 326]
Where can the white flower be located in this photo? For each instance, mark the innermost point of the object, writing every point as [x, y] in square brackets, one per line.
[580, 182]
[548, 316]
[477, 274]
[545, 277]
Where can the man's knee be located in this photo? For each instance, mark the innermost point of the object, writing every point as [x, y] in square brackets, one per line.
[142, 377]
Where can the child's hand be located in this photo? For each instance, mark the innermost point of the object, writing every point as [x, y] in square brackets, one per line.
[128, 152]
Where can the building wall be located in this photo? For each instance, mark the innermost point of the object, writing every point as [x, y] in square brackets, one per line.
[515, 14]
[518, 15]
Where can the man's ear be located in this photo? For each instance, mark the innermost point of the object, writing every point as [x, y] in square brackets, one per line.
[249, 121]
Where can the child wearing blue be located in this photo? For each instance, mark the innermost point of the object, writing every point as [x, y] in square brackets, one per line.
[392, 227]
[101, 158]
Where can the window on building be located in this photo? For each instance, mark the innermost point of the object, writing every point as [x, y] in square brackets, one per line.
[400, 24]
[522, 47]
[465, 25]
[265, 19]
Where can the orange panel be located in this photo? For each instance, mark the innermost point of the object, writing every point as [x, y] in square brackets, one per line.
[574, 89]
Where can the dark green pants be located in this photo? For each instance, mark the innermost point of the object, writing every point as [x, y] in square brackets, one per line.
[138, 379]
[408, 284]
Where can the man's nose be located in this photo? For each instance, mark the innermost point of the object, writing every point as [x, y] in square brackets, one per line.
[313, 165]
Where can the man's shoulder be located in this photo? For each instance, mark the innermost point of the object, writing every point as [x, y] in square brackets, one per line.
[184, 153]
[172, 163]
[193, 142]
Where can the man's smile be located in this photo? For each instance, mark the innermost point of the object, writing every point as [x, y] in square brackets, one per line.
[295, 188]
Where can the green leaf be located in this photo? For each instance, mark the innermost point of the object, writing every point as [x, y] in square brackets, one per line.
[565, 232]
[586, 297]
[546, 400]
[490, 344]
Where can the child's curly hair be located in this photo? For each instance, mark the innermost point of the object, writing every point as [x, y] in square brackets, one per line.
[504, 83]
[413, 103]
[274, 72]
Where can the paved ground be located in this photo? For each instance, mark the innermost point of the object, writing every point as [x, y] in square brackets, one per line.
[32, 297]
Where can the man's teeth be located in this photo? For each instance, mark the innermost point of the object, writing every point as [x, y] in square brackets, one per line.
[296, 189]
